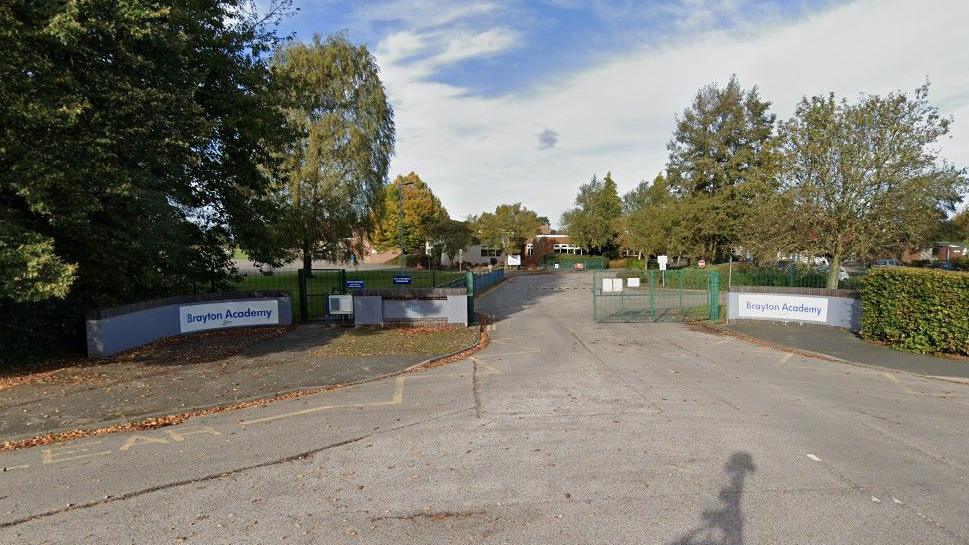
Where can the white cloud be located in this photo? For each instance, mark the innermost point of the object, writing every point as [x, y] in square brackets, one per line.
[477, 151]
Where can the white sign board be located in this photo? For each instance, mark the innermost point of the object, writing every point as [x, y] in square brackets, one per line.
[632, 282]
[662, 260]
[782, 307]
[515, 260]
[227, 314]
[611, 284]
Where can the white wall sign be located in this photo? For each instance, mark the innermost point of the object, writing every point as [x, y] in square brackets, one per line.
[632, 282]
[782, 307]
[617, 284]
[662, 260]
[606, 285]
[514, 260]
[227, 314]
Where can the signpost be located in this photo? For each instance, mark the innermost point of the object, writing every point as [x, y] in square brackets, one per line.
[702, 263]
[662, 260]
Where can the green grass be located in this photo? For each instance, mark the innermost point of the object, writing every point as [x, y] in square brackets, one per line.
[375, 341]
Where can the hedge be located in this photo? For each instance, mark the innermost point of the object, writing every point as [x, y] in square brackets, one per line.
[919, 310]
[590, 261]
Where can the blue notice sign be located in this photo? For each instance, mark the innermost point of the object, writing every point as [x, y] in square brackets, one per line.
[401, 279]
[355, 284]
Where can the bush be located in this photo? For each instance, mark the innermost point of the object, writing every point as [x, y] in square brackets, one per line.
[590, 261]
[920, 310]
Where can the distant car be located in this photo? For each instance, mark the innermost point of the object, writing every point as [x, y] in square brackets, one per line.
[887, 263]
[944, 265]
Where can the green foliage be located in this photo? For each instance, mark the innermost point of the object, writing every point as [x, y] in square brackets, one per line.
[422, 212]
[663, 223]
[597, 206]
[30, 269]
[332, 176]
[508, 228]
[721, 155]
[859, 179]
[131, 151]
[921, 310]
[449, 236]
[590, 261]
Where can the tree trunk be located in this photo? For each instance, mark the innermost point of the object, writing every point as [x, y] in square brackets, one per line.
[307, 257]
[834, 270]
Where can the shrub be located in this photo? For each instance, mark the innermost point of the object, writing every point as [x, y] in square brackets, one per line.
[590, 261]
[920, 310]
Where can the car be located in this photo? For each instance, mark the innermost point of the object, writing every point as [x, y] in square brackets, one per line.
[887, 263]
[944, 265]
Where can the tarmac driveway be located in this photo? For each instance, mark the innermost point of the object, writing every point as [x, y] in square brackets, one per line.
[561, 431]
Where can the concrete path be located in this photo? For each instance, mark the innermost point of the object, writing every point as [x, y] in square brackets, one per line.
[562, 431]
[845, 345]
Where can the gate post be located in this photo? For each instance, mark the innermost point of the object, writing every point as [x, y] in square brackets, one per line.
[469, 281]
[652, 294]
[714, 288]
[301, 274]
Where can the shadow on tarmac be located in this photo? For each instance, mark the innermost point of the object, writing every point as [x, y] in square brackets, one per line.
[724, 525]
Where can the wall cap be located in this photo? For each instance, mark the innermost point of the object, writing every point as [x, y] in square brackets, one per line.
[101, 314]
[818, 292]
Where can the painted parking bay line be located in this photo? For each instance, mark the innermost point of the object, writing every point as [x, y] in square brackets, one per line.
[397, 398]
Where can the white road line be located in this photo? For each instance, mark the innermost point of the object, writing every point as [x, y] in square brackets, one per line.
[786, 357]
[11, 468]
[813, 457]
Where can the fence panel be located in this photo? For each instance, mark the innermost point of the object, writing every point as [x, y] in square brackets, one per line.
[654, 296]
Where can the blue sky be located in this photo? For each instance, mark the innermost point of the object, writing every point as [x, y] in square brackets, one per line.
[505, 101]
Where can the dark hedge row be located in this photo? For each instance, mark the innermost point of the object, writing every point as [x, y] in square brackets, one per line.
[920, 310]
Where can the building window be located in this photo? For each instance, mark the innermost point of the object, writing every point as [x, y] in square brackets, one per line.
[529, 249]
[490, 252]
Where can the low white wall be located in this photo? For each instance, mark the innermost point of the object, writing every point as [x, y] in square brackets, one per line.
[836, 308]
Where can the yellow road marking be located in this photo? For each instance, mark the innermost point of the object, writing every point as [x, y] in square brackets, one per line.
[395, 400]
[894, 380]
[519, 353]
[64, 453]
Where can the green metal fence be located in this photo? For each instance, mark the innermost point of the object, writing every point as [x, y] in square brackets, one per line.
[569, 261]
[622, 295]
[310, 292]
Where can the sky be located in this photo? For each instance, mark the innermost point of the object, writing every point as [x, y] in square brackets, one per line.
[523, 101]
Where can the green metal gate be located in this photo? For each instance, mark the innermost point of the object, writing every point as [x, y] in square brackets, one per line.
[655, 296]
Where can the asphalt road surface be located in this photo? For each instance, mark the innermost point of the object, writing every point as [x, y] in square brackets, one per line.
[561, 431]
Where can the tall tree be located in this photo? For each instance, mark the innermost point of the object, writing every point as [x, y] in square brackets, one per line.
[422, 211]
[661, 223]
[722, 155]
[860, 179]
[332, 176]
[597, 206]
[448, 237]
[639, 197]
[132, 134]
[508, 228]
